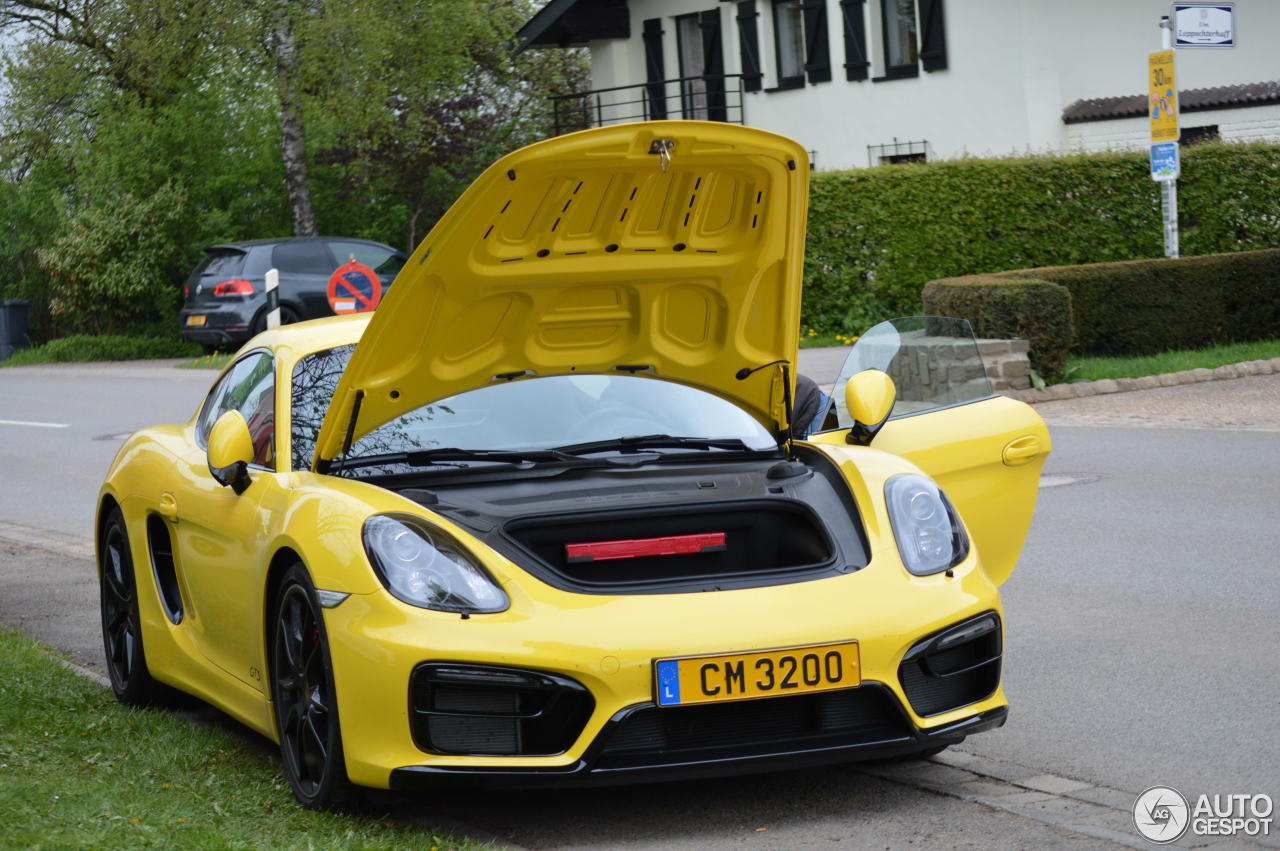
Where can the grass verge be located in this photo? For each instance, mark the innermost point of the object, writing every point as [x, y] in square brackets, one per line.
[81, 348]
[79, 770]
[214, 361]
[1093, 368]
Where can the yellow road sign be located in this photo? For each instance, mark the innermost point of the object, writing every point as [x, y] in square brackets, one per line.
[1162, 102]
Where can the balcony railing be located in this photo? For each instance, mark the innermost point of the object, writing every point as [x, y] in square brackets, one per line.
[710, 98]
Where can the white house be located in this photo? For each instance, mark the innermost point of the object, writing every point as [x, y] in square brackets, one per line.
[867, 82]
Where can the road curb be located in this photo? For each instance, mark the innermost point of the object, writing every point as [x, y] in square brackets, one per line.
[1104, 386]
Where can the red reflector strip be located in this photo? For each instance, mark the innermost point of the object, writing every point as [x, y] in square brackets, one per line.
[704, 542]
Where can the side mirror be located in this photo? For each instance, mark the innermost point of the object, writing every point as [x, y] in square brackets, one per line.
[869, 397]
[230, 451]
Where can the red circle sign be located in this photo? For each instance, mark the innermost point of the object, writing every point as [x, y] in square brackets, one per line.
[354, 288]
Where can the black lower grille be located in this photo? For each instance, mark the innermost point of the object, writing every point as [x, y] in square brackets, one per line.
[954, 668]
[653, 736]
[489, 710]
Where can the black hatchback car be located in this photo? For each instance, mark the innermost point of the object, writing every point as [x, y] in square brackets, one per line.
[225, 298]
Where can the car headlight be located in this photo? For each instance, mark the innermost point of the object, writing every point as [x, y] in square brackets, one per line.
[424, 567]
[930, 536]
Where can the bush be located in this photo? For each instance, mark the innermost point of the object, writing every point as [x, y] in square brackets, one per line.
[1005, 308]
[115, 264]
[83, 347]
[1148, 306]
[877, 235]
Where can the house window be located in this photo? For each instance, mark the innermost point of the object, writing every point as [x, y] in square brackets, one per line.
[913, 36]
[898, 19]
[693, 93]
[788, 35]
[1199, 135]
[898, 153]
[800, 42]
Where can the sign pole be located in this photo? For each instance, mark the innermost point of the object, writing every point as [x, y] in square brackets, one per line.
[273, 298]
[1162, 108]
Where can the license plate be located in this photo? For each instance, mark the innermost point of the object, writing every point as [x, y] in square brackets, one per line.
[195, 320]
[760, 673]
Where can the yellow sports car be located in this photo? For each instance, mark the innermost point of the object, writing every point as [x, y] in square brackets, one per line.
[545, 517]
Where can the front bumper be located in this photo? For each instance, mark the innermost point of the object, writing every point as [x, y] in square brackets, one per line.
[600, 765]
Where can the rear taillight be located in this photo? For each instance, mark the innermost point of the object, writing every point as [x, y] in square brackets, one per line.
[186, 290]
[233, 287]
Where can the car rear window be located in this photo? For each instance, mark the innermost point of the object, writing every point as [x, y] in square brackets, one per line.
[220, 262]
[379, 258]
[303, 258]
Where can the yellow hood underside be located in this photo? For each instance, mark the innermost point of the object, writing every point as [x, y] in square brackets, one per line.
[595, 253]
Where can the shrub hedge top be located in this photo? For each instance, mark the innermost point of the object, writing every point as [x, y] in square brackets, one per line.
[877, 235]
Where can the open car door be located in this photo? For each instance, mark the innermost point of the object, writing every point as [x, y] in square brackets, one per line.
[984, 450]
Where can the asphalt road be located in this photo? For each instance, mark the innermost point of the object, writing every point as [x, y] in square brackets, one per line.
[1141, 631]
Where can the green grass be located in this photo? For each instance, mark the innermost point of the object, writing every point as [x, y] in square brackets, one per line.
[214, 361]
[80, 348]
[1092, 368]
[79, 770]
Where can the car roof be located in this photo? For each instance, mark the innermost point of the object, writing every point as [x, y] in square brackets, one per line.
[249, 243]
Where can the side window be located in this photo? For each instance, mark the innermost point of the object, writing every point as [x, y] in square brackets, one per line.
[379, 258]
[934, 362]
[248, 387]
[302, 258]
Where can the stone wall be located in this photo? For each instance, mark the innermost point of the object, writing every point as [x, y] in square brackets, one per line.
[1007, 365]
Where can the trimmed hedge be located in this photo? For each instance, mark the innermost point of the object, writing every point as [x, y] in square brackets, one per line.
[877, 235]
[1022, 308]
[1147, 306]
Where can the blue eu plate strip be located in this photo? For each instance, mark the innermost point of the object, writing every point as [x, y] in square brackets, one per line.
[668, 683]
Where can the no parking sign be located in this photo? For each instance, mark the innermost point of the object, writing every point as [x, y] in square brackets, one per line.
[354, 288]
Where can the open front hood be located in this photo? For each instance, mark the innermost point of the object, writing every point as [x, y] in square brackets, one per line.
[593, 253]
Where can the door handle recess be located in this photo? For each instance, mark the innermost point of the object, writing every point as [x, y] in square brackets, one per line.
[168, 507]
[1020, 451]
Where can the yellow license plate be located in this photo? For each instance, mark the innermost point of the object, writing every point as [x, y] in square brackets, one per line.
[195, 320]
[760, 673]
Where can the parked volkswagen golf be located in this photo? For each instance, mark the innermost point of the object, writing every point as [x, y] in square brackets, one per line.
[225, 301]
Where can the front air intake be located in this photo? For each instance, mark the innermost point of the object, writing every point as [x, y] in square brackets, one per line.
[495, 711]
[953, 668]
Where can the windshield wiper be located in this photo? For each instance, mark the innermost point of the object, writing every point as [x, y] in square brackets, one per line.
[641, 442]
[454, 457]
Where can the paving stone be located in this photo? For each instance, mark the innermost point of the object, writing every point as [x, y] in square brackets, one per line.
[1168, 379]
[1265, 367]
[1105, 797]
[1053, 784]
[1202, 374]
[1062, 391]
[984, 789]
[929, 772]
[1127, 384]
[1247, 368]
[1149, 382]
[1025, 798]
[1186, 376]
[1105, 385]
[1227, 371]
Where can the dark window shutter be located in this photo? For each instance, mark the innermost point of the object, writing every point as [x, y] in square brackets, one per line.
[855, 39]
[749, 45]
[713, 64]
[817, 54]
[933, 37]
[655, 68]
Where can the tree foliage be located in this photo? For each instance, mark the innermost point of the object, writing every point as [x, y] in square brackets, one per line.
[135, 132]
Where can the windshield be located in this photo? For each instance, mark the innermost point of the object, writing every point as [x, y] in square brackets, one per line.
[564, 411]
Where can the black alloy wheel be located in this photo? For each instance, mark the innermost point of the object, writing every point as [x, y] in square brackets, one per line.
[121, 626]
[305, 699]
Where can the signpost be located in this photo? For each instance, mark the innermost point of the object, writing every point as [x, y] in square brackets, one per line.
[1162, 109]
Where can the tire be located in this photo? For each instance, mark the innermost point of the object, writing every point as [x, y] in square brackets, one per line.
[305, 699]
[288, 316]
[121, 625]
[212, 348]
